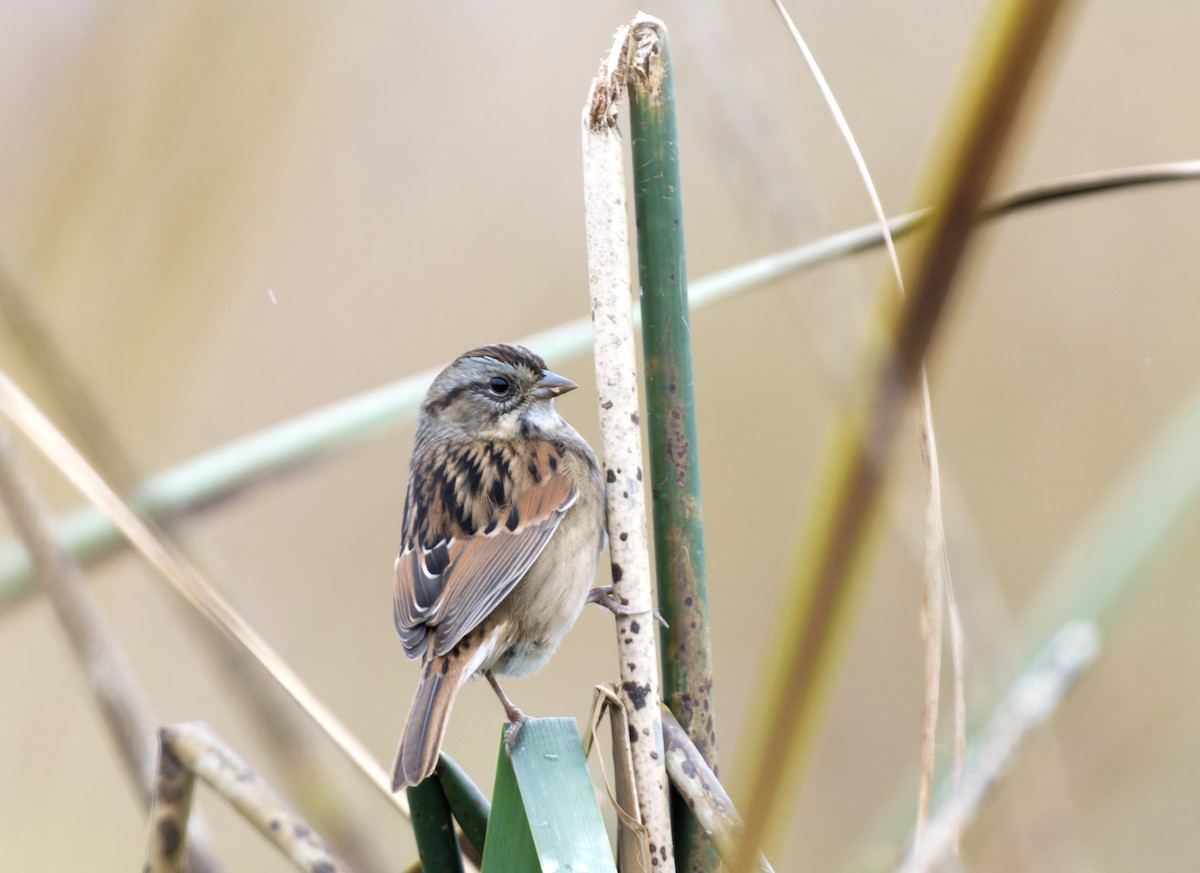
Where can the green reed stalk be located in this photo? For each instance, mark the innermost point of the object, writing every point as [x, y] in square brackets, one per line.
[671, 405]
[433, 826]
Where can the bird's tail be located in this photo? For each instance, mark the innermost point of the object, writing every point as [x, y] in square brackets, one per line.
[441, 677]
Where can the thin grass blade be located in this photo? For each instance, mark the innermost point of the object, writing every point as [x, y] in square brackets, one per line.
[183, 577]
[835, 549]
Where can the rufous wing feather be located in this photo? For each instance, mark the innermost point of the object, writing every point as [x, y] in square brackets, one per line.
[448, 579]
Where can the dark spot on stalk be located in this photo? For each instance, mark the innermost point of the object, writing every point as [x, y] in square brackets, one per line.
[637, 693]
[168, 834]
[611, 477]
[617, 573]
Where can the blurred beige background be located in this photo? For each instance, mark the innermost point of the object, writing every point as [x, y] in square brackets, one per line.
[228, 214]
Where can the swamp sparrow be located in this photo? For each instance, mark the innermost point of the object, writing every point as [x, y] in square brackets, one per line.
[503, 527]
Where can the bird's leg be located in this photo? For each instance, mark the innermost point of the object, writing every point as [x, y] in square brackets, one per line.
[516, 718]
[605, 597]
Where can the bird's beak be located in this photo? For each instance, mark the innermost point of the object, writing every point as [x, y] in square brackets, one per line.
[551, 385]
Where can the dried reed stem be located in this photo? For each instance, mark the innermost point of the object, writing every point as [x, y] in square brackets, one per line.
[1033, 699]
[184, 577]
[621, 437]
[190, 750]
[123, 706]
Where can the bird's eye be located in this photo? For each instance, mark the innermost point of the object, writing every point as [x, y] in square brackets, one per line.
[499, 386]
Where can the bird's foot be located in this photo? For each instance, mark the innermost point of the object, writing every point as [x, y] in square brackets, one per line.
[516, 718]
[605, 597]
[516, 721]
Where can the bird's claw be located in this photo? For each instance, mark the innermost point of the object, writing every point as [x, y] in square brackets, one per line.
[517, 721]
[605, 597]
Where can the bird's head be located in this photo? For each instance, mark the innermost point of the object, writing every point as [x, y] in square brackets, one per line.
[499, 391]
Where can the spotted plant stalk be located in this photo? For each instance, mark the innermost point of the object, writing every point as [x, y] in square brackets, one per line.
[188, 751]
[621, 439]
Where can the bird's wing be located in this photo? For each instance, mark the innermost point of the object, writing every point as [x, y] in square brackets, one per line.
[475, 520]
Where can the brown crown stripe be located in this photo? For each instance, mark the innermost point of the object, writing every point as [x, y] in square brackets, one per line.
[518, 356]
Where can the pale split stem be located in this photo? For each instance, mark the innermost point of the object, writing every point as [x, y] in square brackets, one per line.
[700, 788]
[1030, 703]
[937, 597]
[188, 751]
[957, 658]
[617, 387]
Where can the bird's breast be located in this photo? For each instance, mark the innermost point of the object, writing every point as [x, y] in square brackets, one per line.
[548, 599]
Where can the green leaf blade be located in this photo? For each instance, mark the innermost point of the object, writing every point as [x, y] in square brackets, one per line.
[544, 812]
